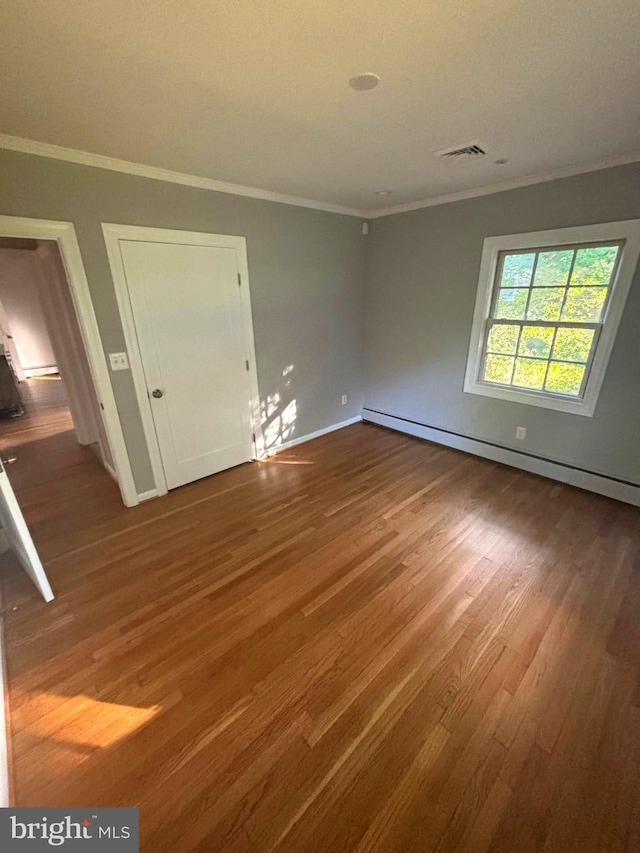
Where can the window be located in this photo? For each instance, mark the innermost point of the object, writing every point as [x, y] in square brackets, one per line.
[547, 311]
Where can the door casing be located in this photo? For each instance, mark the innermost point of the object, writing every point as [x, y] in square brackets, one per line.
[113, 233]
[64, 234]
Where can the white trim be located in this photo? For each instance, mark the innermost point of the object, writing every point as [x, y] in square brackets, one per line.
[65, 236]
[109, 470]
[40, 371]
[111, 237]
[113, 233]
[553, 470]
[627, 230]
[273, 451]
[515, 184]
[4, 722]
[99, 161]
[146, 496]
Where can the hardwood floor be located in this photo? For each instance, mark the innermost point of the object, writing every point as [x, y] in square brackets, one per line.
[367, 643]
[61, 486]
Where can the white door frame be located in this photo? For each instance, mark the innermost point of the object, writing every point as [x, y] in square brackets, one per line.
[5, 787]
[64, 235]
[113, 233]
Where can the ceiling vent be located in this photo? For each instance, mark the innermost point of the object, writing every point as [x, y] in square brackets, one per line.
[465, 152]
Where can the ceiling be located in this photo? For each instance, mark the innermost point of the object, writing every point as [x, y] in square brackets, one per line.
[255, 92]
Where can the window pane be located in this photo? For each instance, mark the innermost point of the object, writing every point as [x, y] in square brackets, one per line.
[545, 303]
[594, 265]
[573, 344]
[535, 341]
[553, 268]
[516, 270]
[529, 373]
[511, 304]
[584, 304]
[564, 378]
[503, 339]
[498, 368]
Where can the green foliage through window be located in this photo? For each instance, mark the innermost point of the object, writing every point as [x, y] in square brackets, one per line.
[503, 339]
[565, 290]
[552, 269]
[573, 344]
[517, 269]
[530, 373]
[535, 341]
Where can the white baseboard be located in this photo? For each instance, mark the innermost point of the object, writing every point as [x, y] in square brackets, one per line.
[554, 470]
[310, 436]
[272, 451]
[40, 371]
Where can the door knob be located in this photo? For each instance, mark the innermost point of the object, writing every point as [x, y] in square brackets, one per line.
[157, 393]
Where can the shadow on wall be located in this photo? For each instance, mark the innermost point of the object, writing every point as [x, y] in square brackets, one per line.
[278, 414]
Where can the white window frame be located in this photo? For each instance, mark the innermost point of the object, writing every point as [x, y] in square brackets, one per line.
[627, 231]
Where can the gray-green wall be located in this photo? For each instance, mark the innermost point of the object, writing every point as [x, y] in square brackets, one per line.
[308, 272]
[306, 269]
[421, 286]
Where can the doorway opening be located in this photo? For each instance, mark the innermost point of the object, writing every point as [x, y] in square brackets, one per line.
[46, 388]
[56, 459]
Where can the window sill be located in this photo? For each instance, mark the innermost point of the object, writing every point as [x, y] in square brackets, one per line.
[583, 406]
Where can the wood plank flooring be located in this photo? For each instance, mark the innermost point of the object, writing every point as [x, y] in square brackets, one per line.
[367, 643]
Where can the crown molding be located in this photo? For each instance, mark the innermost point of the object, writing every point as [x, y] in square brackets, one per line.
[516, 183]
[98, 161]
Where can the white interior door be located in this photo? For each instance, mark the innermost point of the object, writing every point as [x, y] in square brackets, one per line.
[187, 312]
[18, 537]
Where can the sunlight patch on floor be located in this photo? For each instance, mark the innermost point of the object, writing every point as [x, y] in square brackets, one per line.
[86, 722]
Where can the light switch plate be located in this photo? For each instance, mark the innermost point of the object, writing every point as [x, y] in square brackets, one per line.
[118, 361]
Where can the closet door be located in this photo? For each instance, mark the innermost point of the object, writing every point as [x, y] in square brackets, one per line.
[187, 311]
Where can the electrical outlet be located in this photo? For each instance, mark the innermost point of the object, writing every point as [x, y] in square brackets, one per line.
[521, 433]
[118, 361]
[345, 397]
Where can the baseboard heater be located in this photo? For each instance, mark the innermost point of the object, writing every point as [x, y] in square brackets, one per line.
[621, 490]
